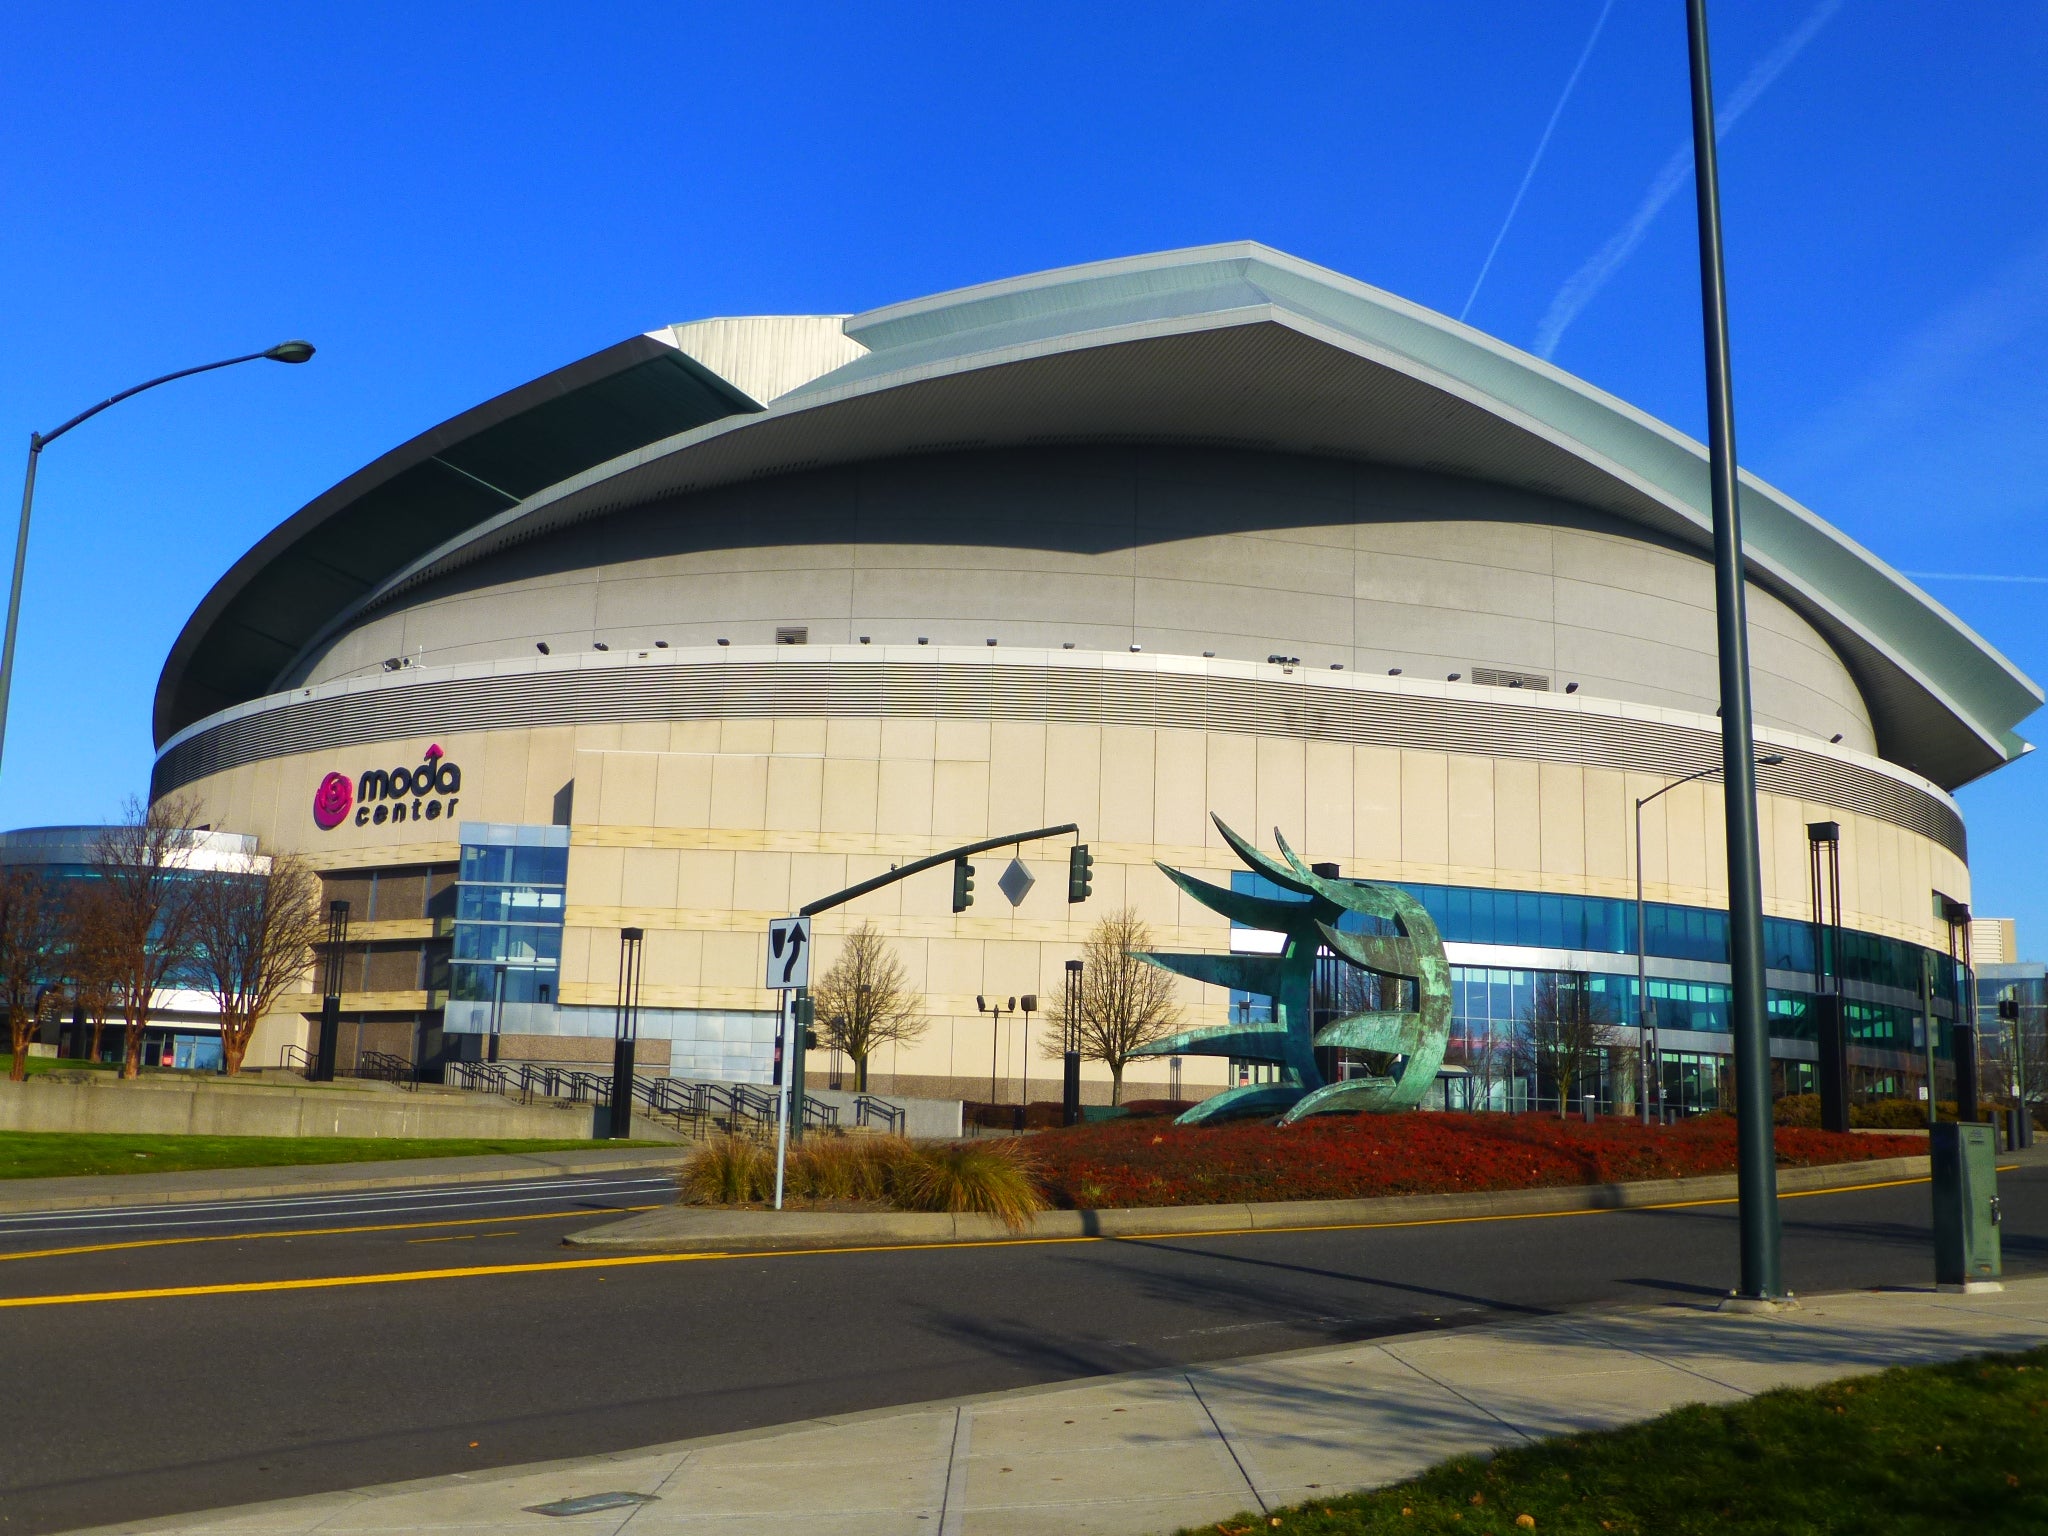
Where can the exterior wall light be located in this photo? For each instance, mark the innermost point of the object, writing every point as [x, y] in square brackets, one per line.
[541, 646]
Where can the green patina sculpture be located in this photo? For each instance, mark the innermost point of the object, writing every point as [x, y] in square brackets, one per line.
[1414, 954]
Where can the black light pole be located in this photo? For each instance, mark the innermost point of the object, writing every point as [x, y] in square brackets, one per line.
[995, 1011]
[625, 1033]
[497, 1009]
[1070, 1091]
[330, 1001]
[1756, 1169]
[283, 352]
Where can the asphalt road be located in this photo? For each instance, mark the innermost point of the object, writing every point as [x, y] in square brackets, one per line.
[464, 1335]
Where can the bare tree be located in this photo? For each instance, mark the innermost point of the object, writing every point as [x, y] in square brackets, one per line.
[142, 863]
[91, 956]
[1125, 1003]
[1566, 1032]
[29, 957]
[252, 936]
[865, 1001]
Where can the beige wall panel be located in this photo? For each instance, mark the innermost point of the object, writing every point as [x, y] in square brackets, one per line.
[1517, 818]
[850, 793]
[812, 875]
[1180, 777]
[760, 883]
[644, 736]
[1562, 787]
[694, 735]
[848, 738]
[1470, 834]
[576, 969]
[1073, 777]
[497, 769]
[915, 739]
[960, 802]
[600, 736]
[1016, 777]
[1233, 786]
[626, 791]
[739, 791]
[905, 796]
[682, 790]
[800, 736]
[965, 741]
[796, 793]
[738, 736]
[673, 957]
[550, 765]
[736, 962]
[1685, 839]
[1425, 808]
[1127, 778]
[1328, 818]
[1607, 833]
[1440, 583]
[704, 878]
[596, 876]
[649, 877]
[1282, 769]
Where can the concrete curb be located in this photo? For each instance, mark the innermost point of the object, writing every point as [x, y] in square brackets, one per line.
[694, 1229]
[101, 1191]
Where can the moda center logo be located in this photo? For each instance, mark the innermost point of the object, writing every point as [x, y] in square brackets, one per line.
[425, 793]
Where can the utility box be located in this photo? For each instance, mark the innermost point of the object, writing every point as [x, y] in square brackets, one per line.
[1966, 1214]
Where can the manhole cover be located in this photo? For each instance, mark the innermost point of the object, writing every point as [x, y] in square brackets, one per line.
[591, 1503]
[1016, 882]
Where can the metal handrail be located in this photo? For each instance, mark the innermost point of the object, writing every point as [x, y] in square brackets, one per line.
[817, 1115]
[385, 1066]
[867, 1110]
[296, 1058]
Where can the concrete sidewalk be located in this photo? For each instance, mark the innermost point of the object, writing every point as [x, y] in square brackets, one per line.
[1160, 1450]
[99, 1191]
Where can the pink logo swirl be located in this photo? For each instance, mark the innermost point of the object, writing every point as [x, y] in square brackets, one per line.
[331, 802]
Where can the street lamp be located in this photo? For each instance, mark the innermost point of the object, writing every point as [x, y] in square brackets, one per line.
[1646, 1031]
[995, 1011]
[283, 352]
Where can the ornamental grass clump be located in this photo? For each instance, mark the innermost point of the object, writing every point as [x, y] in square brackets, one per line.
[990, 1178]
[728, 1170]
[860, 1168]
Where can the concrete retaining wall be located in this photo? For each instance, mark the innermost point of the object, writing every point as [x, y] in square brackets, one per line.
[214, 1108]
[924, 1119]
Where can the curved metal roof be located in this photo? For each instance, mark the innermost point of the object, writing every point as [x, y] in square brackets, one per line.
[1233, 344]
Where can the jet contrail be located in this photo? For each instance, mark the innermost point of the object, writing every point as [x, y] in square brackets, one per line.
[1580, 288]
[1537, 159]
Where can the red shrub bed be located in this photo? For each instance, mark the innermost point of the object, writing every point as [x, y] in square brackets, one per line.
[1349, 1157]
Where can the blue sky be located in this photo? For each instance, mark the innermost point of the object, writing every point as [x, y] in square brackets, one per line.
[449, 200]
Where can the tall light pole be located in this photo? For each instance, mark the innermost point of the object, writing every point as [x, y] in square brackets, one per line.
[995, 1011]
[283, 352]
[1756, 1174]
[1646, 1030]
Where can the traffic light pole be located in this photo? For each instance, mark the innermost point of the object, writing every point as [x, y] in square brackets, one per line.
[933, 861]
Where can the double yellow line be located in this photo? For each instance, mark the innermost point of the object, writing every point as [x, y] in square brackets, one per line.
[640, 1260]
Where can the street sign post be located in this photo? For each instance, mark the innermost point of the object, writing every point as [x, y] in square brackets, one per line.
[782, 1013]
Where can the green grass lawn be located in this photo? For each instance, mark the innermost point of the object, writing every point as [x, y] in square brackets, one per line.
[38, 1065]
[52, 1154]
[1947, 1448]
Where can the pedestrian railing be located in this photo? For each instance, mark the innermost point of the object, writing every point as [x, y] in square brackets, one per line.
[880, 1114]
[386, 1067]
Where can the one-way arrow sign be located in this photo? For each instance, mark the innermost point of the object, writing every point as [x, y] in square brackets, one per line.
[789, 953]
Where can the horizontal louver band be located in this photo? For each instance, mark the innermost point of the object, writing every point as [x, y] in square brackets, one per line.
[1074, 695]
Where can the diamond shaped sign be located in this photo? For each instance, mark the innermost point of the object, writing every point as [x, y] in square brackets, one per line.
[1016, 882]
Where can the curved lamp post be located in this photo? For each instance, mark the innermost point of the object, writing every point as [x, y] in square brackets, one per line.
[283, 352]
[1645, 1012]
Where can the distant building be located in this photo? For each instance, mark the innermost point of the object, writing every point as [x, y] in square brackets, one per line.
[1993, 941]
[184, 1023]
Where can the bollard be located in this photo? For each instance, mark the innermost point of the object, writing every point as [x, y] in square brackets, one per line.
[1590, 1108]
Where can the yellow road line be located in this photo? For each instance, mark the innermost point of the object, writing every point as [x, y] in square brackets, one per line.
[622, 1261]
[243, 1237]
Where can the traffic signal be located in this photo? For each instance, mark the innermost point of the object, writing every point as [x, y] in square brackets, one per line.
[1080, 872]
[963, 885]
